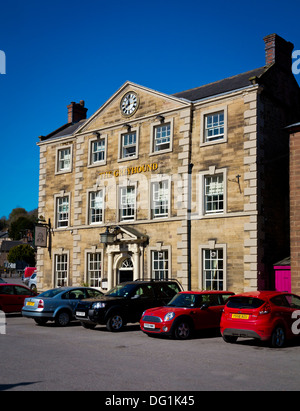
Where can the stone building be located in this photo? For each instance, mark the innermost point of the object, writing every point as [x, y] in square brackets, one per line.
[192, 186]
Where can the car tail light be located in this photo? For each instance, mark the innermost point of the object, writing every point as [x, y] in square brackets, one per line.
[41, 304]
[265, 309]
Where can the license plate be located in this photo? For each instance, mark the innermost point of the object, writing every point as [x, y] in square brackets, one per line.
[240, 316]
[151, 326]
[30, 303]
[80, 314]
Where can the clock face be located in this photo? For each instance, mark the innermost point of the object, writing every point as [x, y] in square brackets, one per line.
[129, 104]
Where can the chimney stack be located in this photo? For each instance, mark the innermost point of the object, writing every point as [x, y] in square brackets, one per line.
[278, 51]
[76, 112]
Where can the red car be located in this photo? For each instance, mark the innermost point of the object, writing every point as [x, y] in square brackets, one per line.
[12, 297]
[187, 312]
[263, 315]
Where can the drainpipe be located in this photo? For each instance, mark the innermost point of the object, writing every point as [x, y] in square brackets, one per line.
[189, 226]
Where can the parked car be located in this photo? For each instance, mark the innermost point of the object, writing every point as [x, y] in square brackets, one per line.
[263, 315]
[57, 304]
[187, 312]
[27, 274]
[12, 297]
[32, 281]
[2, 281]
[125, 303]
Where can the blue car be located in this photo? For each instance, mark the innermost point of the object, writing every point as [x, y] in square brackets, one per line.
[57, 304]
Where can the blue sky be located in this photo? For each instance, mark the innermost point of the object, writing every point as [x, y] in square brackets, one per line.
[60, 51]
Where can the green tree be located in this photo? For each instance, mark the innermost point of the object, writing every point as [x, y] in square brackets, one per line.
[19, 226]
[22, 252]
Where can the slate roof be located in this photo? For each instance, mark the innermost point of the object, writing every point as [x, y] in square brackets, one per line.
[7, 245]
[66, 130]
[223, 86]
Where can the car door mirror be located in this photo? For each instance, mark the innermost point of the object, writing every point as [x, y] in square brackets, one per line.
[204, 306]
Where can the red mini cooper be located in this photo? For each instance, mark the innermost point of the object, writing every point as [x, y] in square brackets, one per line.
[187, 312]
[262, 315]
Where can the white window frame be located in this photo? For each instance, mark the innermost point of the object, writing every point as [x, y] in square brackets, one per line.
[159, 181]
[121, 156]
[214, 196]
[212, 247]
[58, 219]
[102, 162]
[211, 172]
[160, 252]
[154, 126]
[61, 169]
[95, 281]
[204, 115]
[61, 259]
[89, 208]
[120, 198]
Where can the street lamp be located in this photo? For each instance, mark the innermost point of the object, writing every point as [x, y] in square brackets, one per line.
[109, 237]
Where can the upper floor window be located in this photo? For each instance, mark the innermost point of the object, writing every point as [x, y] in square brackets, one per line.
[63, 160]
[98, 151]
[62, 211]
[214, 126]
[128, 145]
[162, 137]
[214, 194]
[160, 199]
[127, 203]
[96, 205]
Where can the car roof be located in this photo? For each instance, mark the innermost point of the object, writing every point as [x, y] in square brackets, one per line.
[260, 294]
[18, 285]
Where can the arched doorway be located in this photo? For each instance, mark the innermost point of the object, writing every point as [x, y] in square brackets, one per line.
[126, 271]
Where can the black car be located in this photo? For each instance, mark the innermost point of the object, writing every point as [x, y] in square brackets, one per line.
[125, 303]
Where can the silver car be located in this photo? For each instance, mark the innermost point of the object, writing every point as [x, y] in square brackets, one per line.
[57, 304]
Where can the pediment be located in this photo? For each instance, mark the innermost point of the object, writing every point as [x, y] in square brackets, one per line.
[129, 234]
[150, 103]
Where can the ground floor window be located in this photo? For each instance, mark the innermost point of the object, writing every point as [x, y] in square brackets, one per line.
[213, 269]
[160, 265]
[61, 270]
[94, 269]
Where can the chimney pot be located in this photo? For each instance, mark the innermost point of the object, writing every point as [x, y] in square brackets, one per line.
[279, 51]
[76, 112]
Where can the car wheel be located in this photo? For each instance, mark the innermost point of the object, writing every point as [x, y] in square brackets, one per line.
[278, 337]
[182, 330]
[62, 319]
[230, 339]
[115, 323]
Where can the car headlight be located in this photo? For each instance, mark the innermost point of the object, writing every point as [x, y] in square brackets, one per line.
[98, 305]
[169, 316]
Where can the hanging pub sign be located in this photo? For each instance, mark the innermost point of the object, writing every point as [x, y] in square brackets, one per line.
[40, 236]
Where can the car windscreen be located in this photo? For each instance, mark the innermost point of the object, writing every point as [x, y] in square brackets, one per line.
[121, 290]
[184, 300]
[51, 293]
[244, 302]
